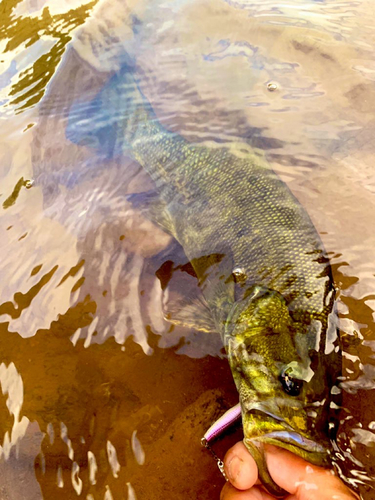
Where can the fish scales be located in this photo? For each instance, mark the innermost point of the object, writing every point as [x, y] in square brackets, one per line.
[229, 210]
[251, 211]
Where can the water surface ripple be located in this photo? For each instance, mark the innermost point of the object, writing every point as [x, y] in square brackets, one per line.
[100, 396]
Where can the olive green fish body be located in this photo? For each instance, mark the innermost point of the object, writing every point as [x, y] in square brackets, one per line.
[260, 264]
[222, 203]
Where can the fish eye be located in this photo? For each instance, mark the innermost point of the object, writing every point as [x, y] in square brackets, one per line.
[291, 385]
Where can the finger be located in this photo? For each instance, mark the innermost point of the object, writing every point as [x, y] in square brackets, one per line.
[240, 467]
[229, 492]
[304, 480]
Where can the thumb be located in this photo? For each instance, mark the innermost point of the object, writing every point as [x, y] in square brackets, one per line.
[303, 480]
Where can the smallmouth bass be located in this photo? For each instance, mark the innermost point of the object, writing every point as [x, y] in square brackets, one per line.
[262, 269]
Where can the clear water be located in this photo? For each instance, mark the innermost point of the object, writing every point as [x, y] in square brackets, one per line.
[101, 398]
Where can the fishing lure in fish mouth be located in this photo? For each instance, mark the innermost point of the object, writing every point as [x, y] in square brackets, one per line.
[230, 417]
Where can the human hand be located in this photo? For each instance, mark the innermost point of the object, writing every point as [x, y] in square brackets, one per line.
[300, 479]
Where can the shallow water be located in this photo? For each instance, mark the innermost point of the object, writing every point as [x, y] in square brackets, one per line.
[101, 397]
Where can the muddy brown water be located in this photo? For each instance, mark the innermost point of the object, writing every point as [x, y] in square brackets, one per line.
[101, 398]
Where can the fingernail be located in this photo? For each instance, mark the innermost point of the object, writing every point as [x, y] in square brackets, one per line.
[234, 468]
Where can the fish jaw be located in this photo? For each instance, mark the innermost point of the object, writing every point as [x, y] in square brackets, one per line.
[301, 446]
[256, 449]
[262, 428]
[270, 427]
[267, 431]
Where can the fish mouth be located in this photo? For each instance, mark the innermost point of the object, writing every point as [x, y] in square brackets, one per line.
[292, 441]
[275, 431]
[278, 433]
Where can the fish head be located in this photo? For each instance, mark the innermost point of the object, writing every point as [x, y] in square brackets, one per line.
[283, 378]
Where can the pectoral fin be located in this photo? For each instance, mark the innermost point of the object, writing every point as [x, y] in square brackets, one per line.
[183, 302]
[216, 281]
[191, 313]
[152, 206]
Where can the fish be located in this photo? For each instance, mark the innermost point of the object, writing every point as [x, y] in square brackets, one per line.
[265, 279]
